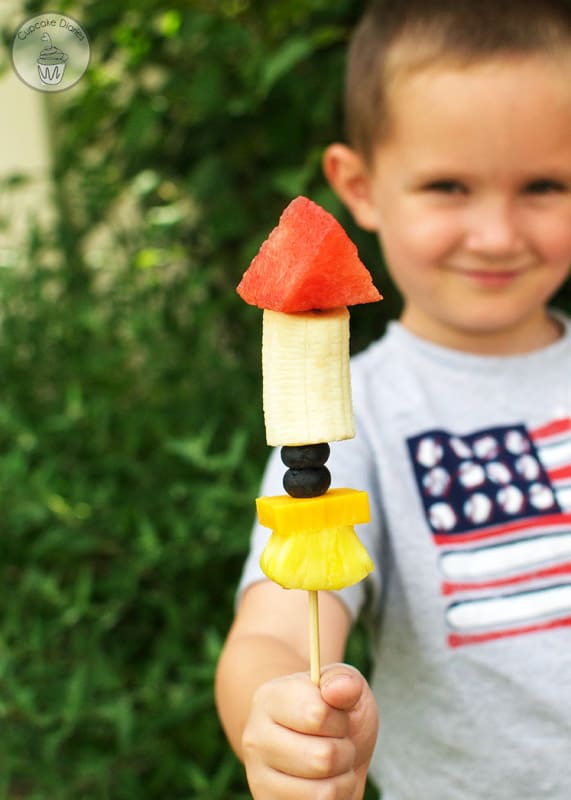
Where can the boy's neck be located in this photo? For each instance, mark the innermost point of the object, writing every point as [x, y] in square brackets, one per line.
[539, 333]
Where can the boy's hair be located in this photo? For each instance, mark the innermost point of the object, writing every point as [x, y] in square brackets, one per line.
[399, 36]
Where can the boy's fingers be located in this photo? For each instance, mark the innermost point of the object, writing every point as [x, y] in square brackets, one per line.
[305, 756]
[274, 784]
[300, 707]
[342, 686]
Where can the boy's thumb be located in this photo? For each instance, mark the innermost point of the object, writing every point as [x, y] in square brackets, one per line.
[342, 686]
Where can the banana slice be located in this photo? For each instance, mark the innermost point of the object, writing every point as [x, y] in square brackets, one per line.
[306, 378]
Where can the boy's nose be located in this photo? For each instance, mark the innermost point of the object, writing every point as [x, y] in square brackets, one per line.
[493, 231]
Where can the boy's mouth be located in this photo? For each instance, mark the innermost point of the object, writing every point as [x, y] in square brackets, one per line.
[491, 277]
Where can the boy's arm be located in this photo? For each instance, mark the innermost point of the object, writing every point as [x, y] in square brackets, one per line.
[289, 733]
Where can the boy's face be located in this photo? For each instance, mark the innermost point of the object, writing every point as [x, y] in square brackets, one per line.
[471, 197]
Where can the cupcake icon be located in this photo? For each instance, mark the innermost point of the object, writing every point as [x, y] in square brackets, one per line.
[51, 62]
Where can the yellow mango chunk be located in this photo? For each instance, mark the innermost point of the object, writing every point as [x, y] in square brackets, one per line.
[326, 559]
[336, 508]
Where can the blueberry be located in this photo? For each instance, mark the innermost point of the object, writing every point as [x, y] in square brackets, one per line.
[307, 482]
[305, 456]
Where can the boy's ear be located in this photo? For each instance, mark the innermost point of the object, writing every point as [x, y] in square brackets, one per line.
[349, 177]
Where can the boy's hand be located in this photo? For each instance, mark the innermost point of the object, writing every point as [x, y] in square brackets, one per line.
[307, 742]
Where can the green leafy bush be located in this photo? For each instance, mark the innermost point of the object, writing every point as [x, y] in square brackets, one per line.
[131, 434]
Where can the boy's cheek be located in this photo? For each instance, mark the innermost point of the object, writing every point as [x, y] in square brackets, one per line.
[548, 233]
[558, 243]
[425, 243]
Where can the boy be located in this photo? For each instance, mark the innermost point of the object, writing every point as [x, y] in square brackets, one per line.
[459, 116]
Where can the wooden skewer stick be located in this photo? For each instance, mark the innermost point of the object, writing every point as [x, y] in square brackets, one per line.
[314, 655]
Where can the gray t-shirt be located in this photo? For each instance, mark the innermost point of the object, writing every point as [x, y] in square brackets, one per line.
[467, 462]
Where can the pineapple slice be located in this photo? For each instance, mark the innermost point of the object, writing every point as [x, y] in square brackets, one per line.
[315, 560]
[313, 545]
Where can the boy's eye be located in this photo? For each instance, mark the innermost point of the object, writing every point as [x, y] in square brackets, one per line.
[445, 187]
[545, 186]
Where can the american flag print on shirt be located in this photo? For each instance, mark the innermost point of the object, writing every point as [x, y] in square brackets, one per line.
[498, 505]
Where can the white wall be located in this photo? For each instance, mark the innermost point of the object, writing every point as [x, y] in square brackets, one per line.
[23, 145]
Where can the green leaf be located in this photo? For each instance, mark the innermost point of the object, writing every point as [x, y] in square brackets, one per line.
[294, 50]
[169, 23]
[196, 451]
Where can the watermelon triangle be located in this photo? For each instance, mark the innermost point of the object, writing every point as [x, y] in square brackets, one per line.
[307, 262]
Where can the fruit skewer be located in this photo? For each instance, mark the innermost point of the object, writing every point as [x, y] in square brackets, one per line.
[305, 275]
